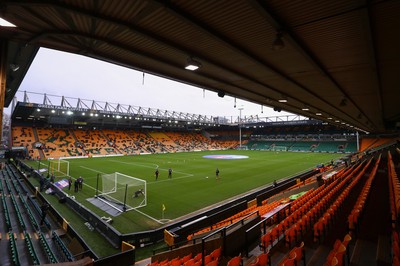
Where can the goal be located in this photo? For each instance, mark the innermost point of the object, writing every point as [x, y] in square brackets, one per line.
[279, 148]
[242, 148]
[122, 192]
[59, 168]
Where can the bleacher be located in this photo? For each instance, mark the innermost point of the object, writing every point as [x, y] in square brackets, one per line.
[57, 143]
[27, 243]
[94, 142]
[24, 137]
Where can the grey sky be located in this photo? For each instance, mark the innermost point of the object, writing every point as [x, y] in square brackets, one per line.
[71, 75]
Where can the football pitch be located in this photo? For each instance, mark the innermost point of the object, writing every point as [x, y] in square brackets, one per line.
[193, 185]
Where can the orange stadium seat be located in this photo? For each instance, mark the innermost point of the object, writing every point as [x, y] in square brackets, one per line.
[235, 261]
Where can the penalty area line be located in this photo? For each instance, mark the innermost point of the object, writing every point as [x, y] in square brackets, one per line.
[142, 213]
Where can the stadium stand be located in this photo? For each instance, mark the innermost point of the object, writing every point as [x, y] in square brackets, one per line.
[57, 143]
[94, 142]
[24, 137]
[121, 141]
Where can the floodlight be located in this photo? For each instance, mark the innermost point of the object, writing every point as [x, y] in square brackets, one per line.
[278, 43]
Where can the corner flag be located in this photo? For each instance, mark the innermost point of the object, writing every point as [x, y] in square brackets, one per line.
[163, 207]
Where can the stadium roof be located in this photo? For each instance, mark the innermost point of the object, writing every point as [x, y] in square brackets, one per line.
[329, 60]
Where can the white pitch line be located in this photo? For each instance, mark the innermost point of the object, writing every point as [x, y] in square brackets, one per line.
[169, 179]
[91, 169]
[138, 164]
[185, 175]
[148, 216]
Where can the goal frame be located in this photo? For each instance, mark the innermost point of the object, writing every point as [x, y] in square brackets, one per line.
[280, 148]
[57, 164]
[118, 201]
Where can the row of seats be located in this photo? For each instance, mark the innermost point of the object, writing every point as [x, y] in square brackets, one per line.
[211, 259]
[10, 176]
[326, 220]
[302, 218]
[268, 239]
[305, 211]
[7, 179]
[31, 250]
[394, 193]
[353, 218]
[336, 256]
[261, 260]
[18, 211]
[340, 248]
[394, 186]
[263, 209]
[14, 250]
[49, 253]
[15, 190]
[5, 207]
[306, 216]
[62, 247]
[295, 256]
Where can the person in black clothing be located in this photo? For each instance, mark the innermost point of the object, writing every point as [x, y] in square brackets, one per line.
[52, 178]
[217, 174]
[41, 183]
[69, 183]
[138, 193]
[80, 182]
[43, 209]
[157, 174]
[76, 185]
[169, 173]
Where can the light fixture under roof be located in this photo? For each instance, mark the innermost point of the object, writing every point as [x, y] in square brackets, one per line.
[192, 64]
[6, 23]
[283, 99]
[14, 67]
[278, 43]
[305, 108]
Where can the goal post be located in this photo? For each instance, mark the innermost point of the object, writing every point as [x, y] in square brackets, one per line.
[121, 191]
[59, 167]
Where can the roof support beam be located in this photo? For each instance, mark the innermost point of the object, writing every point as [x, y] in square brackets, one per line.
[278, 23]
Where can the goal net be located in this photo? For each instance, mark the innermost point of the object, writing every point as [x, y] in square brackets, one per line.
[59, 168]
[122, 192]
[242, 148]
[279, 148]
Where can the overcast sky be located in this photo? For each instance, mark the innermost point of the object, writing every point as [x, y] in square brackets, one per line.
[70, 75]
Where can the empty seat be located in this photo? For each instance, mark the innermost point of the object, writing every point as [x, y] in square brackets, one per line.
[235, 261]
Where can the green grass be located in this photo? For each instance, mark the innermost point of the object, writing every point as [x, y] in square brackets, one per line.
[189, 190]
